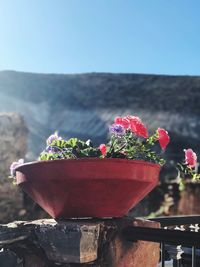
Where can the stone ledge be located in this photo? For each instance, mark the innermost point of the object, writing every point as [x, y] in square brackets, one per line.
[78, 242]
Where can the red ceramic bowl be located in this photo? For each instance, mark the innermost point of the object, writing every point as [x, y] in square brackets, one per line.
[88, 187]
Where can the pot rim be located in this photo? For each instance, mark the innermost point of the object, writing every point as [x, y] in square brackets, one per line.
[88, 159]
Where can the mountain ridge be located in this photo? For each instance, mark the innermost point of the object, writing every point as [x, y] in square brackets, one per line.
[83, 105]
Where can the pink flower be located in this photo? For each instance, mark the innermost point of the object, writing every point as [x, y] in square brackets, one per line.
[137, 126]
[190, 157]
[103, 149]
[163, 137]
[14, 165]
[122, 121]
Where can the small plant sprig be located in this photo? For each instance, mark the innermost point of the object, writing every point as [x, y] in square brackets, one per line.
[13, 166]
[188, 170]
[58, 148]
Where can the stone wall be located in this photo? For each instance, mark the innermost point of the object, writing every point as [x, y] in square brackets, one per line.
[13, 141]
[13, 146]
[75, 243]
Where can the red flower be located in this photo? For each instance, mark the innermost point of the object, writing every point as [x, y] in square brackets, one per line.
[137, 126]
[103, 149]
[163, 138]
[190, 157]
[122, 121]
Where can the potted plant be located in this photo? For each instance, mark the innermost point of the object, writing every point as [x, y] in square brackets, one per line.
[72, 178]
[189, 186]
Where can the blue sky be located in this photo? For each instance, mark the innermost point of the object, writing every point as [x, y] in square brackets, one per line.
[75, 36]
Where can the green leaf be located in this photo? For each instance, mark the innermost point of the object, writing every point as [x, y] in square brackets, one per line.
[181, 185]
[89, 143]
[59, 143]
[72, 142]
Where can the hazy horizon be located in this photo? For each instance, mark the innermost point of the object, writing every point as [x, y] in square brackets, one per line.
[96, 72]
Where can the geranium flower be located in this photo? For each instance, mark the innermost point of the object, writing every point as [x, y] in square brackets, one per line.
[190, 157]
[103, 149]
[122, 121]
[53, 137]
[124, 143]
[117, 129]
[137, 126]
[14, 165]
[163, 137]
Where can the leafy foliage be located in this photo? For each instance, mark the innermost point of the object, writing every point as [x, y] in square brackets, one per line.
[132, 147]
[127, 146]
[185, 174]
[129, 140]
[69, 149]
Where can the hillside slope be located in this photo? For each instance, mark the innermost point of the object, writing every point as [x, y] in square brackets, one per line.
[83, 105]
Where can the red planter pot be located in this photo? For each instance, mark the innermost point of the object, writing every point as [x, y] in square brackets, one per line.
[88, 187]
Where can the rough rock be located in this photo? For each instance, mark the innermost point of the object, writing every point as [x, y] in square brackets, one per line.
[188, 203]
[123, 253]
[92, 243]
[13, 145]
[13, 141]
